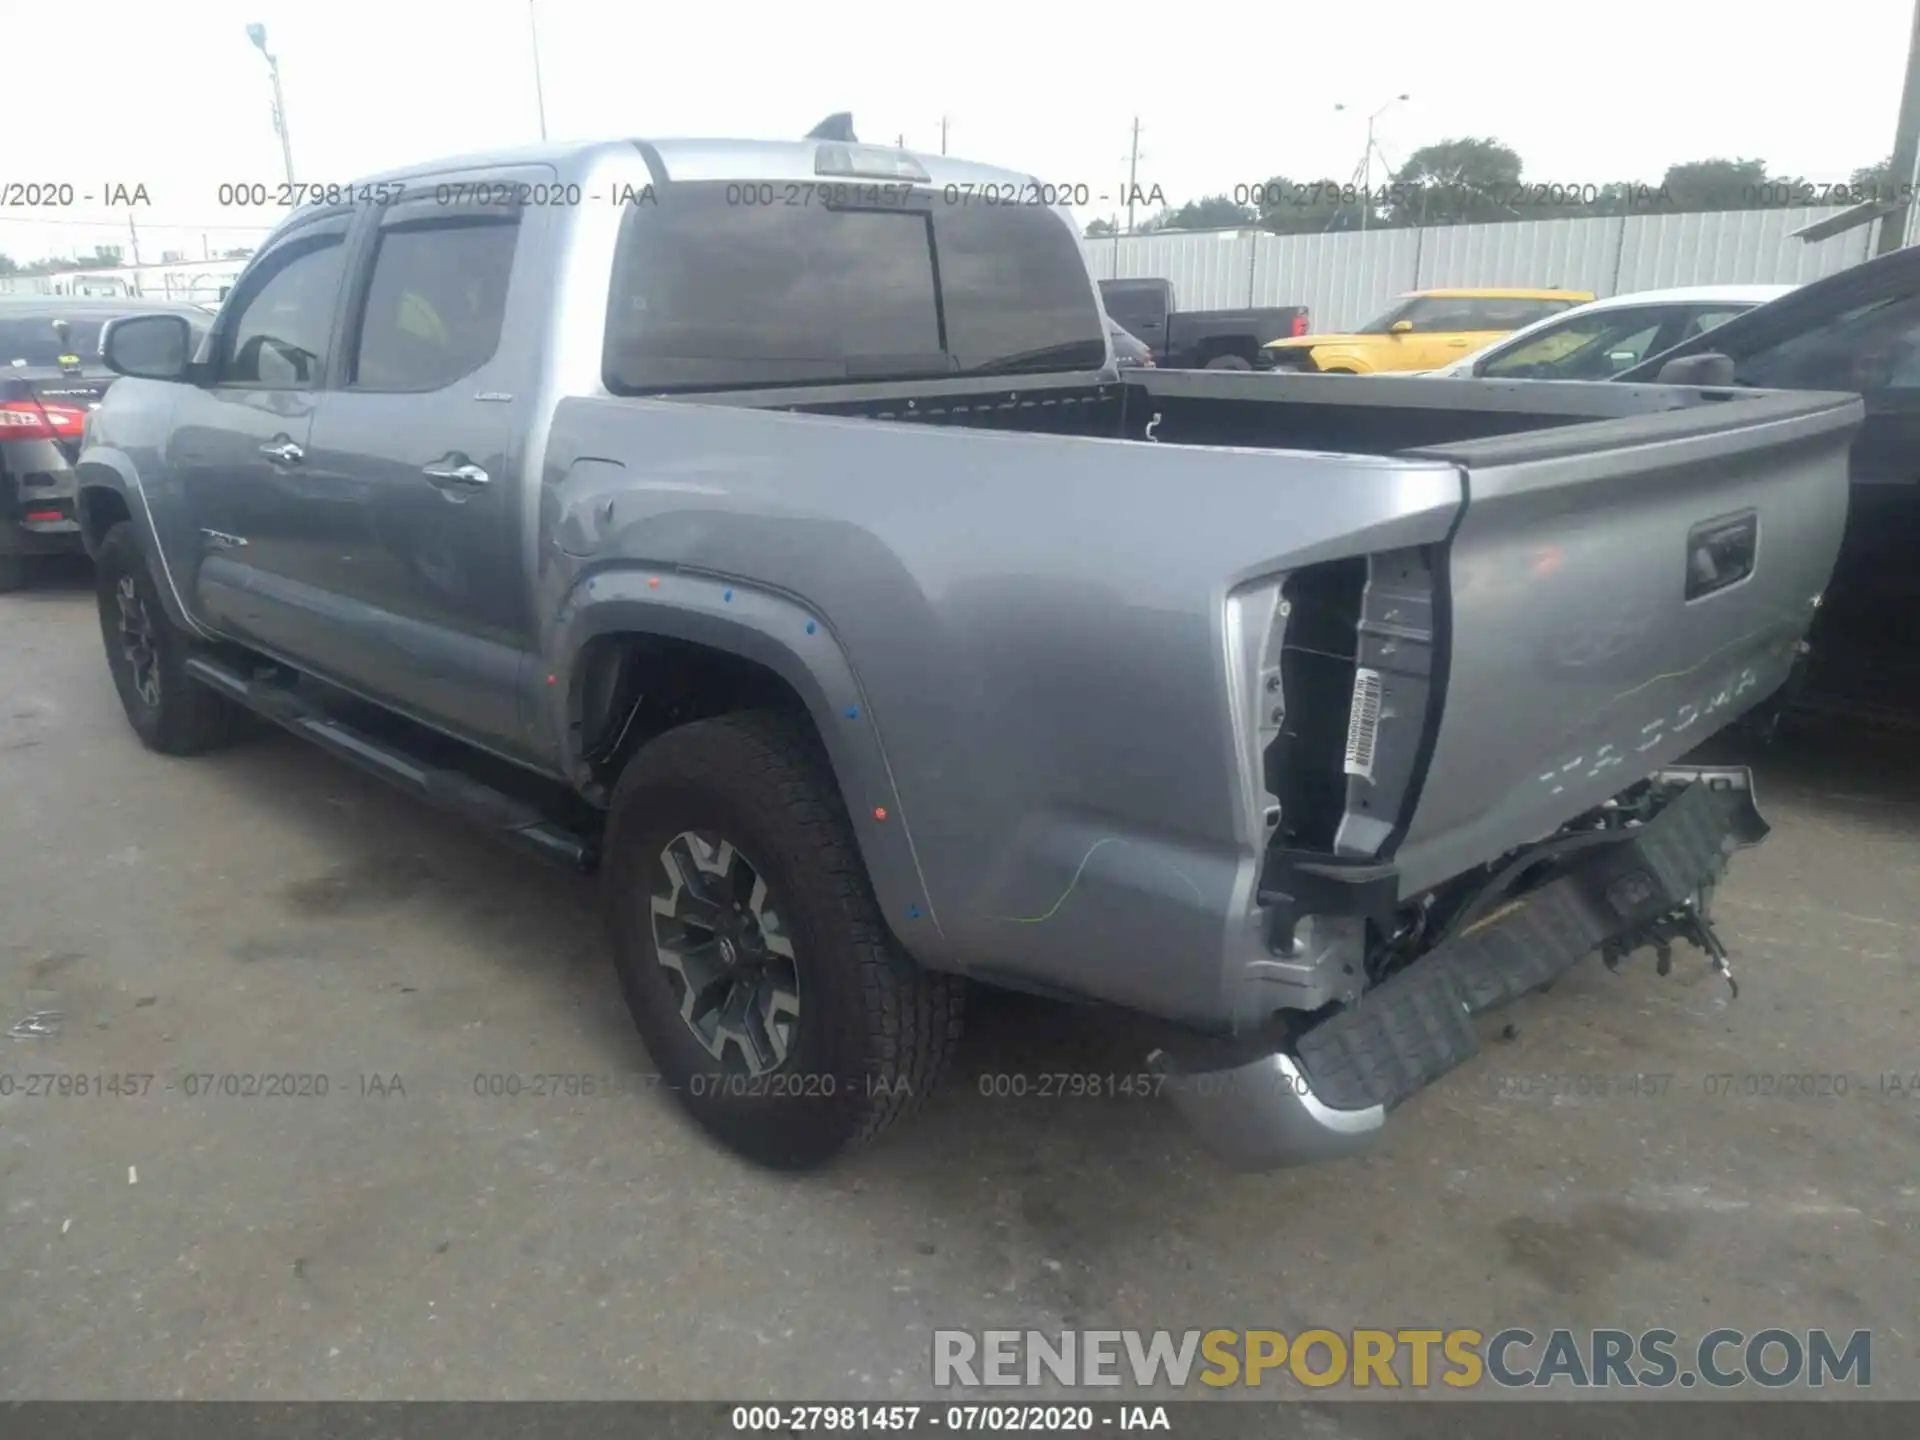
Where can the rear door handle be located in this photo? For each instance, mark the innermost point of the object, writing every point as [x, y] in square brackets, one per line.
[283, 450]
[455, 473]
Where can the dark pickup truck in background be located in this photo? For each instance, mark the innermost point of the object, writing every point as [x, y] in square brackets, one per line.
[814, 573]
[1197, 339]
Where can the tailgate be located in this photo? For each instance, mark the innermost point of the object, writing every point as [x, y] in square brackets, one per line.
[1617, 592]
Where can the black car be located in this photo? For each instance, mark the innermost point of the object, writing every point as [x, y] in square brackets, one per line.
[50, 376]
[1128, 348]
[1857, 330]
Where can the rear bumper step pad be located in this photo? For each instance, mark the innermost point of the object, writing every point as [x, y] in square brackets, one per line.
[1409, 1031]
[1329, 1096]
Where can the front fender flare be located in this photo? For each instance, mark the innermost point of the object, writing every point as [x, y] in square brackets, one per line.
[102, 467]
[781, 633]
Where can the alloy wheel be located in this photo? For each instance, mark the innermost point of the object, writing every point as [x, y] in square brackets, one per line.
[720, 936]
[137, 642]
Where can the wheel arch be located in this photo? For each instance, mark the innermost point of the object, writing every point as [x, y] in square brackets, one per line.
[107, 491]
[641, 652]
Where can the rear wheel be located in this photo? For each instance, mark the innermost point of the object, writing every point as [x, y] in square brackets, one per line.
[1228, 362]
[779, 1008]
[169, 710]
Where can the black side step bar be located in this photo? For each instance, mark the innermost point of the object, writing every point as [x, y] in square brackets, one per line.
[277, 700]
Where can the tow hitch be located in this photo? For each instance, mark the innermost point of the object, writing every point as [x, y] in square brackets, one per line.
[1692, 922]
[1692, 919]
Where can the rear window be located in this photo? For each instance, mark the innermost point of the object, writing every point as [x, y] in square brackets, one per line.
[712, 294]
[31, 341]
[1133, 303]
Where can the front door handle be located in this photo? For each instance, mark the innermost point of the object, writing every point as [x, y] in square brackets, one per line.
[283, 450]
[454, 472]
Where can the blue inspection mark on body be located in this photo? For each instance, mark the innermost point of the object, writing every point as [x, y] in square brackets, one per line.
[913, 912]
[812, 626]
[727, 596]
[853, 712]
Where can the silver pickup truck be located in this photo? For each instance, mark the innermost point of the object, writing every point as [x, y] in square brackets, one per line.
[766, 525]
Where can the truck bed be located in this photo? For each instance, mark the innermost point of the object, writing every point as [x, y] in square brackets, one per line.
[1506, 563]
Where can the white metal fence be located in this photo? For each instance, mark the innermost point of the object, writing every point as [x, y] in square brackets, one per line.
[1347, 277]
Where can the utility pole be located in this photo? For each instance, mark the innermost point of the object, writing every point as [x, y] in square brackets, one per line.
[1906, 147]
[1133, 169]
[539, 95]
[258, 35]
[1366, 176]
[943, 134]
[1363, 172]
[133, 237]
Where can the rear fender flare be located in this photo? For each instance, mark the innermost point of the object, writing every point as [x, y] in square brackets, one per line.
[781, 633]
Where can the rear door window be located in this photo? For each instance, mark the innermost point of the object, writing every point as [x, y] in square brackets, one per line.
[1443, 314]
[1503, 314]
[435, 304]
[1132, 306]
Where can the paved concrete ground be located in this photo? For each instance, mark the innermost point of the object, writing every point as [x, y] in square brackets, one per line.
[268, 911]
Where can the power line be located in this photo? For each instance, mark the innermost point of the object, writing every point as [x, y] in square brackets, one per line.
[114, 224]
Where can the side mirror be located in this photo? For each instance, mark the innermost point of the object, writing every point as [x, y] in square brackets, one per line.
[1709, 368]
[148, 347]
[1400, 327]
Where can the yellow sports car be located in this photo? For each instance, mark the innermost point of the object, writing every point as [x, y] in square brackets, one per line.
[1421, 331]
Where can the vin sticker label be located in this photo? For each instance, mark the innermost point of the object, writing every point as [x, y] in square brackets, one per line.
[1363, 723]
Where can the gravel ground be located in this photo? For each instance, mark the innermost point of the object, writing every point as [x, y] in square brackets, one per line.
[267, 911]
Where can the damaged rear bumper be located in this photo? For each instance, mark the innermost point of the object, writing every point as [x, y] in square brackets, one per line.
[1327, 1095]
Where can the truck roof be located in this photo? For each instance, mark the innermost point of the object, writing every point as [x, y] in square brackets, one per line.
[715, 159]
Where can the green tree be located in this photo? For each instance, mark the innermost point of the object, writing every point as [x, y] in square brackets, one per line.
[1875, 179]
[1097, 229]
[1457, 182]
[1210, 212]
[1291, 207]
[1717, 184]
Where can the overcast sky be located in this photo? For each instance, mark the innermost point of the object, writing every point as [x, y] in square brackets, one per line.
[174, 97]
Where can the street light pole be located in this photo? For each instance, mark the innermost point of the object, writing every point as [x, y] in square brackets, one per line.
[539, 95]
[258, 35]
[1366, 158]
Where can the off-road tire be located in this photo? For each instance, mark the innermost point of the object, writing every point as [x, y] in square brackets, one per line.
[1228, 362]
[187, 718]
[874, 1030]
